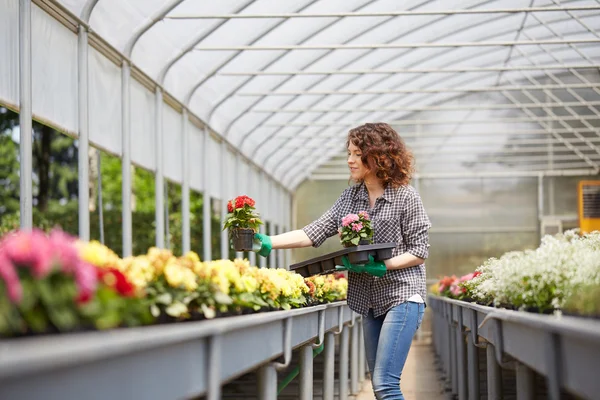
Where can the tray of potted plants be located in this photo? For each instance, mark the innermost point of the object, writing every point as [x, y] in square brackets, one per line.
[356, 235]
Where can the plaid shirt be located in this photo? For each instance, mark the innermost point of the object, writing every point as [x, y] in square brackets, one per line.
[398, 216]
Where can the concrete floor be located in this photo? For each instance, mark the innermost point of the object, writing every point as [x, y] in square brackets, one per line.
[420, 379]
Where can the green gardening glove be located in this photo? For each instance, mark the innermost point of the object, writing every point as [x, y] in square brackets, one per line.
[375, 268]
[262, 244]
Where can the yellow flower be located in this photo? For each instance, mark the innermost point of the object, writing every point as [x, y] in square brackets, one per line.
[97, 254]
[249, 283]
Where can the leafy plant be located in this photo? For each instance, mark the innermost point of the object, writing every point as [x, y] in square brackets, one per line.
[356, 227]
[242, 214]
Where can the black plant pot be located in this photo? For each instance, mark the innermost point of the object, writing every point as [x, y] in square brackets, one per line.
[242, 239]
[360, 243]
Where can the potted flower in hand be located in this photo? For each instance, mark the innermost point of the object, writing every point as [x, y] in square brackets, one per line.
[356, 229]
[243, 222]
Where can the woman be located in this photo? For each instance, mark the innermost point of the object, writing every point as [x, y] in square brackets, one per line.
[392, 305]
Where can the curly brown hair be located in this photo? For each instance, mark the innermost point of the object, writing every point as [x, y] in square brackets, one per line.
[383, 151]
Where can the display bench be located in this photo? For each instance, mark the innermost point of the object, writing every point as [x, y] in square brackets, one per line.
[493, 353]
[173, 361]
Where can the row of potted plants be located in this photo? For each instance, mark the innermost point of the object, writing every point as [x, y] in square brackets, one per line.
[57, 283]
[561, 275]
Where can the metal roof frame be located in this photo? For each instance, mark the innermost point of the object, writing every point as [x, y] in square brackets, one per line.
[558, 116]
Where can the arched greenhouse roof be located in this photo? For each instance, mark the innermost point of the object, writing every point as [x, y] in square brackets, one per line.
[500, 87]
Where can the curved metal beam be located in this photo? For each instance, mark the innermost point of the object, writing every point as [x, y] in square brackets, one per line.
[274, 133]
[318, 110]
[284, 156]
[215, 70]
[385, 78]
[160, 14]
[412, 70]
[165, 70]
[88, 8]
[392, 46]
[390, 13]
[248, 134]
[240, 115]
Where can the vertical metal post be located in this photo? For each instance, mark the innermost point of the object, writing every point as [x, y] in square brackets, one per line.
[83, 136]
[214, 368]
[540, 198]
[525, 382]
[354, 360]
[494, 376]
[206, 206]
[25, 115]
[185, 187]
[306, 373]
[329, 367]
[448, 344]
[473, 368]
[159, 189]
[100, 202]
[238, 184]
[361, 350]
[264, 196]
[250, 185]
[166, 214]
[461, 357]
[224, 199]
[267, 382]
[126, 158]
[553, 376]
[273, 255]
[453, 356]
[344, 353]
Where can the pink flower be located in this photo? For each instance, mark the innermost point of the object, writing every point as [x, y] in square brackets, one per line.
[363, 214]
[65, 251]
[30, 249]
[86, 279]
[11, 279]
[357, 227]
[348, 219]
[467, 277]
[456, 290]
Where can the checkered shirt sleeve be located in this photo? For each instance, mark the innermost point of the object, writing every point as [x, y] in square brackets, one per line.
[327, 225]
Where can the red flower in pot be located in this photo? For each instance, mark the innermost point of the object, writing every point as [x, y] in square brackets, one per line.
[242, 221]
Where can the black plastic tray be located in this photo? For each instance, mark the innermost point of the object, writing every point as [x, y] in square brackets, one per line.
[356, 255]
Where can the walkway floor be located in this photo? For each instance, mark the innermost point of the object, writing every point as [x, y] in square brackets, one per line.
[420, 379]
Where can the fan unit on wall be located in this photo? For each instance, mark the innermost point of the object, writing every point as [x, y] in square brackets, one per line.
[588, 193]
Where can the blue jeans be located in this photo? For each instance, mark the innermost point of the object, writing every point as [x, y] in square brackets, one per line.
[387, 341]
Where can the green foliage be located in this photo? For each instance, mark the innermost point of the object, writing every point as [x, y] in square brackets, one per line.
[244, 217]
[584, 300]
[47, 306]
[108, 309]
[55, 188]
[351, 237]
[9, 174]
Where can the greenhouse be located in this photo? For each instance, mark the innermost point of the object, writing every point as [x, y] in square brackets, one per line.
[137, 137]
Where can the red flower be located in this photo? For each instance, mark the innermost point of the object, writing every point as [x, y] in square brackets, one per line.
[241, 201]
[115, 279]
[230, 206]
[311, 287]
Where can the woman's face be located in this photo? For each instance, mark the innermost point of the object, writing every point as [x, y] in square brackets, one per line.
[358, 170]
